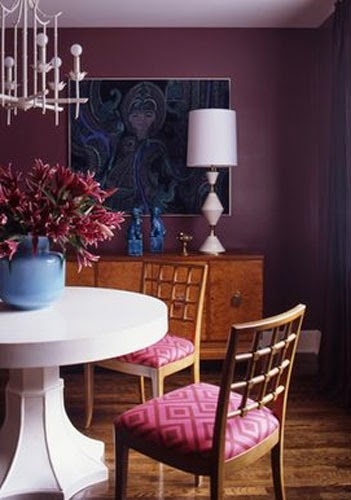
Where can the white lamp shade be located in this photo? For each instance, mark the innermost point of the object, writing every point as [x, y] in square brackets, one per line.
[212, 138]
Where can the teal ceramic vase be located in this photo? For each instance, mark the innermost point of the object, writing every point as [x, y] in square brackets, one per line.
[32, 280]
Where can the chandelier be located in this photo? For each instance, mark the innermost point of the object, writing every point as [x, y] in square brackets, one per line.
[29, 82]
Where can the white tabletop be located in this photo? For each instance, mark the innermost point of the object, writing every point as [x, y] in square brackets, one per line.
[86, 324]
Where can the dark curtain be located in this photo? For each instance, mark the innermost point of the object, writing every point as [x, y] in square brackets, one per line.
[335, 358]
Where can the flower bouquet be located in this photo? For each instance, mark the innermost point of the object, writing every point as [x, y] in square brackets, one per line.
[53, 201]
[48, 206]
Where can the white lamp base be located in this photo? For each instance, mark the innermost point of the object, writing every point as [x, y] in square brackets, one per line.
[212, 210]
[212, 245]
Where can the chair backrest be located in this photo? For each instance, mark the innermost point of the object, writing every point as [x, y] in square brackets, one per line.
[262, 374]
[182, 287]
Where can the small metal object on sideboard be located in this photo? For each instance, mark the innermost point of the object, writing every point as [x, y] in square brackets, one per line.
[184, 239]
[237, 299]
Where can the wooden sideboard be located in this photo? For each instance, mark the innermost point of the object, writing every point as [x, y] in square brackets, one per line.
[234, 289]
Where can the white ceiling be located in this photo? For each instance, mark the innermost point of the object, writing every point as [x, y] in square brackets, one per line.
[190, 13]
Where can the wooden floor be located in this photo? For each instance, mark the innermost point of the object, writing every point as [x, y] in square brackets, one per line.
[317, 451]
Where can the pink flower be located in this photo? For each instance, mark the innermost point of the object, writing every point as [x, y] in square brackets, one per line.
[3, 219]
[85, 258]
[8, 248]
[66, 206]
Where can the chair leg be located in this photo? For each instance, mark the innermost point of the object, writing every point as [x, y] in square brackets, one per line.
[88, 393]
[121, 464]
[278, 471]
[216, 488]
[142, 389]
[198, 481]
[196, 378]
[157, 385]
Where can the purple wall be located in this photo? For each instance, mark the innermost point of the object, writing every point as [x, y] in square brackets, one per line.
[277, 94]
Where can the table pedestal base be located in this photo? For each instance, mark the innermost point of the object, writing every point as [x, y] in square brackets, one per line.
[42, 455]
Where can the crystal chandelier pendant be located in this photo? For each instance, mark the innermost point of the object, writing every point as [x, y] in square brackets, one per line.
[26, 80]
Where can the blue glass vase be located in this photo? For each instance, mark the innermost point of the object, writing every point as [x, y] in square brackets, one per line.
[32, 279]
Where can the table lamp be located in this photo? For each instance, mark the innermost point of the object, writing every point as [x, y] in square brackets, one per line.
[211, 145]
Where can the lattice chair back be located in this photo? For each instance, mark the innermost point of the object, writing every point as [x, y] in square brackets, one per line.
[261, 376]
[181, 287]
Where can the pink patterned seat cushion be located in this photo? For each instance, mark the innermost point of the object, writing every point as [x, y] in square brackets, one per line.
[183, 420]
[170, 348]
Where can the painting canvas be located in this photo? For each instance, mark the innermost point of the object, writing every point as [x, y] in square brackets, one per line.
[133, 135]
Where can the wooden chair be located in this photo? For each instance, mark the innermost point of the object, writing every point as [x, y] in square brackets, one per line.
[206, 429]
[182, 287]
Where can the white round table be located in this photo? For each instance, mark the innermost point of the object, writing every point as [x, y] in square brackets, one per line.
[41, 452]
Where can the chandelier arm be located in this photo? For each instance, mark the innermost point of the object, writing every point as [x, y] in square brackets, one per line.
[10, 10]
[13, 103]
[48, 107]
[2, 51]
[17, 6]
[77, 100]
[15, 55]
[8, 98]
[35, 54]
[56, 70]
[42, 15]
[33, 67]
[43, 69]
[8, 116]
[68, 100]
[25, 50]
[49, 100]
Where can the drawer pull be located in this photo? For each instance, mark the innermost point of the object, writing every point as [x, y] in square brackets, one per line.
[236, 300]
